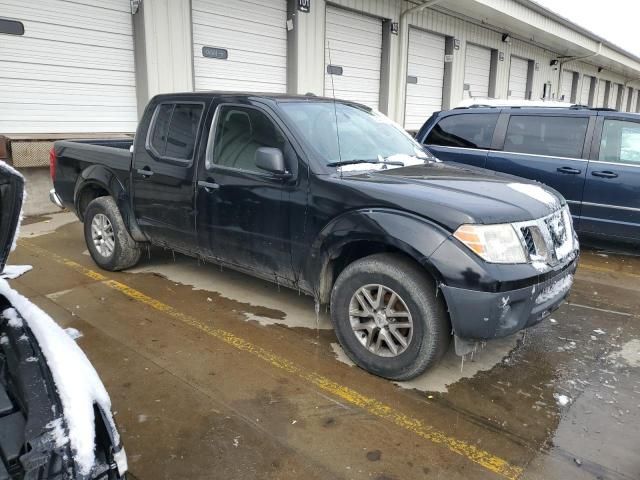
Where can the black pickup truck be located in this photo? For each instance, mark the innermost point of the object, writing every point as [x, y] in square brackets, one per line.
[334, 199]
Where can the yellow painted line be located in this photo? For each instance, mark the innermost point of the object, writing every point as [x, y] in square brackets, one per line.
[370, 405]
[595, 268]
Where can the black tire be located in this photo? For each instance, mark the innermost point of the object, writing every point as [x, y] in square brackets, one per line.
[126, 251]
[431, 331]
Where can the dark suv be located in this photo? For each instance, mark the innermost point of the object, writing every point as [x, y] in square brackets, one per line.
[591, 156]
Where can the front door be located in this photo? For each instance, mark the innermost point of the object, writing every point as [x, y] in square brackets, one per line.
[163, 171]
[611, 204]
[242, 211]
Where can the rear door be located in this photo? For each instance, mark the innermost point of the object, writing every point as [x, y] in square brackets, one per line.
[462, 137]
[163, 172]
[611, 204]
[549, 148]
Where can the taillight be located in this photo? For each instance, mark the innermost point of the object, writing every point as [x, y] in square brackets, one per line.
[52, 163]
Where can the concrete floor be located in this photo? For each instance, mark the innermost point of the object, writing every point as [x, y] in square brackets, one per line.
[217, 375]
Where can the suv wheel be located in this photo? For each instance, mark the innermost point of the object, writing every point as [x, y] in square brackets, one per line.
[107, 238]
[387, 317]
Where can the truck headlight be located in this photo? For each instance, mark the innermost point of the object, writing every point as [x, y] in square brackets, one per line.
[493, 243]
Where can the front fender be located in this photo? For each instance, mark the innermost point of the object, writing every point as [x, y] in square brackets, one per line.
[403, 231]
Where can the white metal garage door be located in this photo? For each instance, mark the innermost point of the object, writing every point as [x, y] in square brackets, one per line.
[254, 37]
[355, 41]
[425, 77]
[613, 95]
[477, 70]
[584, 91]
[71, 72]
[602, 87]
[518, 73]
[566, 85]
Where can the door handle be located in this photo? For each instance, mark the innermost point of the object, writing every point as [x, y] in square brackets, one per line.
[569, 170]
[145, 172]
[208, 186]
[605, 174]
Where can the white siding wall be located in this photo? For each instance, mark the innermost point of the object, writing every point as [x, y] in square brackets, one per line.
[72, 71]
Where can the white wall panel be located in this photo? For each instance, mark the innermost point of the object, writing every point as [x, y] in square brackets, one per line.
[518, 78]
[255, 35]
[71, 72]
[426, 64]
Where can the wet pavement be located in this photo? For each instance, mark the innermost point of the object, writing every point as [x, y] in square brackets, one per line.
[214, 374]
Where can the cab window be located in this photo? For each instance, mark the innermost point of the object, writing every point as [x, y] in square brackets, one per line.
[174, 130]
[468, 130]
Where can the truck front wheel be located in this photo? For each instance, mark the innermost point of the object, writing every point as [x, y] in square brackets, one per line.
[108, 240]
[387, 316]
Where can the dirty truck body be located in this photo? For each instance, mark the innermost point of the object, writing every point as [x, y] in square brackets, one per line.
[335, 200]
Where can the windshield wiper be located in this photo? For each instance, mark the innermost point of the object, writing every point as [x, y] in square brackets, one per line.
[374, 161]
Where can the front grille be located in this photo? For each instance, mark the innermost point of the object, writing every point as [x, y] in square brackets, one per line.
[528, 241]
[548, 240]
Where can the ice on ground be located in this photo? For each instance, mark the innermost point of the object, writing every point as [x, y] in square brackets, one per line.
[599, 331]
[79, 386]
[629, 353]
[56, 221]
[11, 272]
[562, 400]
[536, 192]
[340, 354]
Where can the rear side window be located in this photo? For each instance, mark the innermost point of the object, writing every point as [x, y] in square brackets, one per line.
[174, 130]
[552, 136]
[471, 130]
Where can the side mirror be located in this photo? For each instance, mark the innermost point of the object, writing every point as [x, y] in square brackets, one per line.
[271, 160]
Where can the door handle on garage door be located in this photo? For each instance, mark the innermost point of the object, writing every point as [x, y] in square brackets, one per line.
[605, 174]
[208, 186]
[145, 172]
[569, 170]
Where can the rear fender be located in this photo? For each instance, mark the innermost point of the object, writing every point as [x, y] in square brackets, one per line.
[395, 229]
[102, 177]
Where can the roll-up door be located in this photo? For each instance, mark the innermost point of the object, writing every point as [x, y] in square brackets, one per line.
[613, 96]
[477, 70]
[566, 85]
[425, 77]
[602, 88]
[518, 73]
[240, 46]
[585, 90]
[72, 71]
[353, 56]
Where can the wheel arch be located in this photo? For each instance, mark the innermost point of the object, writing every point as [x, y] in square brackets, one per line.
[361, 233]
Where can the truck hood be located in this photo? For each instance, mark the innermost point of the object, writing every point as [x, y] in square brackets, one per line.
[453, 195]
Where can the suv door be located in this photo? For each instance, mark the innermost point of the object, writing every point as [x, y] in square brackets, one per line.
[462, 137]
[243, 211]
[611, 203]
[163, 172]
[550, 148]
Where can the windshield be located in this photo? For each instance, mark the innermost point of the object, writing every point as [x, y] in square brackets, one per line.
[362, 133]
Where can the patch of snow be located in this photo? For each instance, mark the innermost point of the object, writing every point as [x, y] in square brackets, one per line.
[630, 353]
[536, 192]
[73, 333]
[562, 400]
[56, 430]
[142, 418]
[4, 340]
[14, 271]
[341, 356]
[555, 290]
[12, 316]
[599, 331]
[79, 386]
[553, 320]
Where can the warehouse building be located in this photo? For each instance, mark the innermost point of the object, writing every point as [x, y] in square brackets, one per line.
[87, 67]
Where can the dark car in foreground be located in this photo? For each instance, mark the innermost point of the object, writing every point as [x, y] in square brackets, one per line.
[591, 156]
[335, 200]
[55, 417]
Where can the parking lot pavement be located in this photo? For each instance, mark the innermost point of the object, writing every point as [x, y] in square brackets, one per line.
[217, 375]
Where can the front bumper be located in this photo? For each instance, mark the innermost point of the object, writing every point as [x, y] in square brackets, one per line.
[55, 199]
[482, 315]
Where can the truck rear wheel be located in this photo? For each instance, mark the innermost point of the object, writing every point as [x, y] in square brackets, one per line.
[387, 317]
[107, 238]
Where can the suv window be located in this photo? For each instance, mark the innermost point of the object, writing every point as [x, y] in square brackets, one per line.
[540, 135]
[469, 130]
[239, 132]
[620, 142]
[174, 130]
